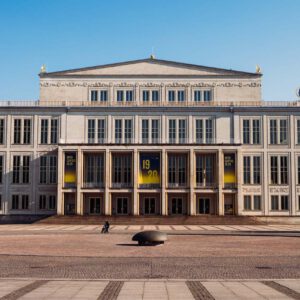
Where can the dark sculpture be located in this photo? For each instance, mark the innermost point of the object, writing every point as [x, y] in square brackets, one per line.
[150, 238]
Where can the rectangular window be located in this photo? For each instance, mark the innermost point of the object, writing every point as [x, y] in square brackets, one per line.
[273, 132]
[17, 131]
[177, 170]
[0, 202]
[182, 131]
[118, 131]
[21, 173]
[197, 96]
[52, 169]
[91, 131]
[246, 132]
[15, 202]
[27, 132]
[43, 169]
[1, 169]
[2, 131]
[26, 161]
[16, 169]
[101, 131]
[129, 96]
[171, 96]
[25, 201]
[52, 202]
[199, 131]
[44, 131]
[94, 96]
[42, 202]
[298, 131]
[94, 171]
[146, 96]
[155, 131]
[247, 170]
[256, 170]
[298, 168]
[274, 170]
[172, 131]
[54, 131]
[145, 131]
[207, 96]
[209, 131]
[247, 202]
[257, 202]
[283, 170]
[205, 170]
[274, 202]
[128, 131]
[284, 202]
[155, 96]
[103, 96]
[181, 96]
[122, 170]
[256, 132]
[283, 131]
[120, 96]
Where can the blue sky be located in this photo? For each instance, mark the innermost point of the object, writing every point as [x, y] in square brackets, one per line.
[63, 34]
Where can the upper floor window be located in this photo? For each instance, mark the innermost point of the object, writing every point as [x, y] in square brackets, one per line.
[205, 170]
[150, 95]
[202, 95]
[94, 170]
[49, 131]
[21, 169]
[121, 170]
[48, 169]
[124, 95]
[177, 170]
[99, 95]
[1, 169]
[252, 169]
[22, 131]
[96, 131]
[176, 95]
[278, 131]
[2, 131]
[251, 131]
[123, 130]
[298, 131]
[177, 130]
[204, 131]
[279, 169]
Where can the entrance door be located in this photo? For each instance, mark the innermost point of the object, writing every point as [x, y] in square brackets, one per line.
[203, 205]
[70, 203]
[122, 206]
[149, 205]
[177, 206]
[95, 206]
[229, 204]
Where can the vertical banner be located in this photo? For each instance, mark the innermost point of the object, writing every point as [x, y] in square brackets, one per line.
[229, 169]
[70, 169]
[149, 171]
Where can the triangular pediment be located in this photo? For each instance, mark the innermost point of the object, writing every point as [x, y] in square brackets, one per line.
[148, 67]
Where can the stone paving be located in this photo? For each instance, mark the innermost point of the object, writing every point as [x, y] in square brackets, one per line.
[11, 289]
[168, 228]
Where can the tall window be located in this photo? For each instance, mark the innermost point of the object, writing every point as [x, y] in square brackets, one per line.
[52, 202]
[1, 169]
[94, 96]
[155, 131]
[171, 96]
[94, 171]
[123, 131]
[44, 131]
[2, 131]
[20, 202]
[21, 169]
[279, 169]
[145, 131]
[128, 131]
[49, 135]
[129, 96]
[205, 170]
[121, 170]
[155, 96]
[54, 131]
[298, 131]
[278, 131]
[252, 202]
[247, 170]
[118, 131]
[207, 96]
[120, 96]
[197, 96]
[146, 96]
[42, 202]
[279, 202]
[150, 131]
[177, 170]
[204, 131]
[91, 131]
[182, 131]
[203, 95]
[96, 131]
[247, 202]
[126, 95]
[181, 96]
[103, 95]
[246, 131]
[17, 131]
[252, 170]
[298, 169]
[22, 131]
[48, 169]
[256, 170]
[251, 131]
[256, 132]
[172, 131]
[27, 131]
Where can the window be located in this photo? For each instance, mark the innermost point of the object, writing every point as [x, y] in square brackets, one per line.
[120, 96]
[44, 131]
[21, 169]
[247, 202]
[103, 96]
[123, 128]
[145, 131]
[180, 136]
[256, 132]
[298, 131]
[150, 95]
[246, 131]
[1, 169]
[256, 170]
[128, 131]
[251, 131]
[274, 170]
[155, 96]
[181, 96]
[0, 202]
[15, 202]
[172, 131]
[101, 131]
[54, 131]
[94, 96]
[96, 126]
[204, 131]
[205, 166]
[24, 202]
[27, 131]
[129, 96]
[99, 95]
[17, 131]
[118, 131]
[22, 131]
[94, 171]
[47, 135]
[42, 202]
[197, 96]
[146, 96]
[278, 131]
[91, 131]
[182, 131]
[247, 170]
[48, 169]
[177, 170]
[121, 170]
[155, 131]
[283, 204]
[284, 169]
[279, 170]
[207, 96]
[171, 96]
[2, 131]
[298, 169]
[257, 202]
[298, 202]
[52, 202]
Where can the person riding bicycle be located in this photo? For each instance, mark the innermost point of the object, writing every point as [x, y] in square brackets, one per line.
[105, 227]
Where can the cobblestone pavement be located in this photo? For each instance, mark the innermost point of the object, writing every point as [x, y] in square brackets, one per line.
[11, 289]
[35, 228]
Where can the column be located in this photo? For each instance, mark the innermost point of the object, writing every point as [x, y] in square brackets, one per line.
[265, 170]
[107, 205]
[239, 171]
[192, 208]
[135, 183]
[293, 166]
[220, 183]
[164, 206]
[60, 201]
[79, 200]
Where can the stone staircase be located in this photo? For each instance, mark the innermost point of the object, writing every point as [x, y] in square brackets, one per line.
[151, 220]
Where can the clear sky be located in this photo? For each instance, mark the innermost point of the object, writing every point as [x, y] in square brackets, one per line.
[63, 34]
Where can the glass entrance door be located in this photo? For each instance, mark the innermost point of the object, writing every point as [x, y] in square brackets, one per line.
[122, 206]
[203, 206]
[95, 206]
[177, 206]
[149, 203]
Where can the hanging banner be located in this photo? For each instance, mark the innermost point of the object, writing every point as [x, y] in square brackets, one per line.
[149, 172]
[70, 169]
[229, 168]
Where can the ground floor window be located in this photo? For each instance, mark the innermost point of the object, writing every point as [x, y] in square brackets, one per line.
[252, 202]
[47, 202]
[0, 202]
[122, 206]
[95, 207]
[279, 202]
[203, 205]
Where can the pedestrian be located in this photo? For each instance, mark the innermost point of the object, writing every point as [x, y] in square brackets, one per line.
[105, 227]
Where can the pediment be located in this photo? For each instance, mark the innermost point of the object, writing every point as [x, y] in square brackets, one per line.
[148, 67]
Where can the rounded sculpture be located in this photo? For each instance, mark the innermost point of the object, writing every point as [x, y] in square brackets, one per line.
[150, 237]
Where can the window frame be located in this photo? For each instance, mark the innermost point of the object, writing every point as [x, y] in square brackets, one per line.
[278, 133]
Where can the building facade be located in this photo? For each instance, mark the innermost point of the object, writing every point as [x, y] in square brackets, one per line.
[150, 137]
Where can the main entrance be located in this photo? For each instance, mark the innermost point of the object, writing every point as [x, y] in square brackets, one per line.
[177, 206]
[203, 206]
[149, 205]
[122, 205]
[229, 204]
[70, 203]
[95, 207]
